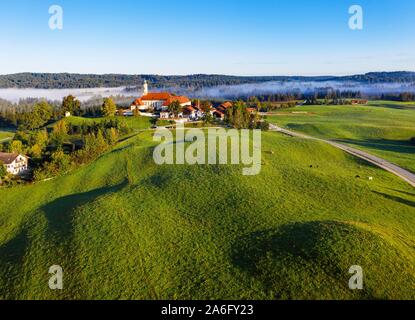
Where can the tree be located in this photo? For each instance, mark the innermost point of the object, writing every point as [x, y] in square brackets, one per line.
[72, 105]
[264, 125]
[41, 138]
[412, 140]
[16, 146]
[61, 160]
[208, 118]
[108, 107]
[95, 144]
[3, 171]
[238, 117]
[206, 106]
[36, 151]
[100, 143]
[175, 108]
[59, 134]
[43, 112]
[154, 121]
[111, 136]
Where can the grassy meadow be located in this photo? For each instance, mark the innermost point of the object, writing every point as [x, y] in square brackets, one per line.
[135, 123]
[382, 127]
[123, 227]
[4, 135]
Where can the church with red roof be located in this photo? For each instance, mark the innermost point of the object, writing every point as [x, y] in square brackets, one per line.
[157, 101]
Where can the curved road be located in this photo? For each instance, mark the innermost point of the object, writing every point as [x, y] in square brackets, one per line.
[381, 163]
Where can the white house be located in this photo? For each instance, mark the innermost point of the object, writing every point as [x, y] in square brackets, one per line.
[14, 163]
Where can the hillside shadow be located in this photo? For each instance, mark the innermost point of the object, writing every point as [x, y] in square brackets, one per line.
[398, 146]
[396, 198]
[403, 192]
[396, 106]
[60, 212]
[297, 239]
[11, 265]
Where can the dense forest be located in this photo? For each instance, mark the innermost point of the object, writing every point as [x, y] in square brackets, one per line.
[197, 81]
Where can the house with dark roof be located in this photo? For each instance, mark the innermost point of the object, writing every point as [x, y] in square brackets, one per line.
[14, 163]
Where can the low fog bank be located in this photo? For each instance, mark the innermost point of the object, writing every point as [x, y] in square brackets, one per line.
[300, 87]
[14, 95]
[218, 92]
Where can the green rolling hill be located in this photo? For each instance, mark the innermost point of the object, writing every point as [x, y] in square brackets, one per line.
[125, 228]
[383, 128]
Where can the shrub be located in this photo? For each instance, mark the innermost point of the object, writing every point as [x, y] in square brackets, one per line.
[3, 171]
[412, 140]
[263, 125]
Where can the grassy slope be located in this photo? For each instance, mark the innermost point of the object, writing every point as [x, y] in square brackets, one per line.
[5, 135]
[136, 123]
[123, 227]
[383, 128]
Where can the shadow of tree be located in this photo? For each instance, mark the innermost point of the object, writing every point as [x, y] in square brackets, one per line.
[400, 146]
[397, 106]
[403, 192]
[396, 198]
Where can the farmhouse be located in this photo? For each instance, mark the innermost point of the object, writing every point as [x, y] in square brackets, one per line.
[14, 163]
[218, 114]
[190, 112]
[359, 102]
[224, 106]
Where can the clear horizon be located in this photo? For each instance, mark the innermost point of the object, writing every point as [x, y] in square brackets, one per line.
[183, 37]
[207, 74]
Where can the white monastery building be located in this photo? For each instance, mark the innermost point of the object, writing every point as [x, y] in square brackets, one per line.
[157, 101]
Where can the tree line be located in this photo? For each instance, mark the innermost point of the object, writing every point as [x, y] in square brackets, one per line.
[67, 80]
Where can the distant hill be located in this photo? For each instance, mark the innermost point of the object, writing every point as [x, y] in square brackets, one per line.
[197, 81]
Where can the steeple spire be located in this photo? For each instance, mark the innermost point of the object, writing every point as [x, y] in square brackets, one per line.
[145, 92]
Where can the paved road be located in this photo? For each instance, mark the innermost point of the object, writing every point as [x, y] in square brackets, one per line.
[381, 163]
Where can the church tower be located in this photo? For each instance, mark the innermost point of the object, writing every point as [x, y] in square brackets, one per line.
[145, 86]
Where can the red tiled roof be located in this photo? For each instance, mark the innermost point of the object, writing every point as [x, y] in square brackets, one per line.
[137, 102]
[156, 96]
[161, 96]
[226, 105]
[180, 99]
[8, 158]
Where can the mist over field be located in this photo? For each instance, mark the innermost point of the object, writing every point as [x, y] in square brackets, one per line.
[14, 94]
[303, 87]
[215, 92]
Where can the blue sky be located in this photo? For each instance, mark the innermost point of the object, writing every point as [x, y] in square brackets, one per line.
[262, 37]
